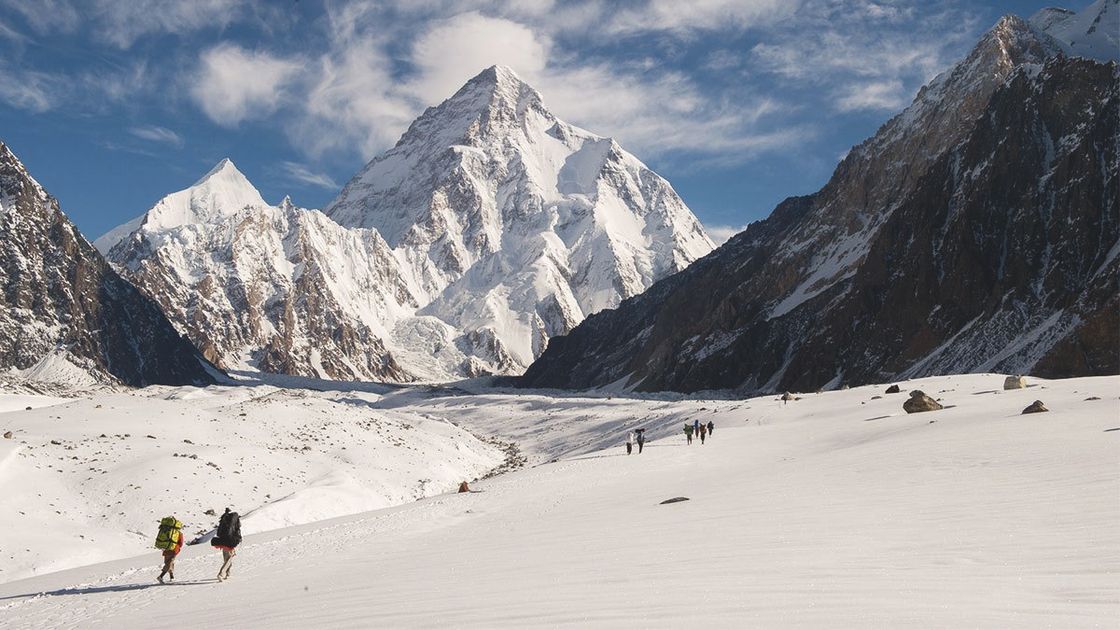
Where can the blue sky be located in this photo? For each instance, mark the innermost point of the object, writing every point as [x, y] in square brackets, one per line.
[739, 103]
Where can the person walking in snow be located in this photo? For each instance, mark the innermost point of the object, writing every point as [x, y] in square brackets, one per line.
[226, 538]
[696, 427]
[641, 440]
[170, 540]
[629, 442]
[711, 428]
[688, 432]
[703, 432]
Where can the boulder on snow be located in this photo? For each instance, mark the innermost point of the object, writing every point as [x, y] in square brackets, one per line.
[1036, 407]
[1014, 382]
[919, 402]
[893, 389]
[674, 500]
[7, 435]
[787, 397]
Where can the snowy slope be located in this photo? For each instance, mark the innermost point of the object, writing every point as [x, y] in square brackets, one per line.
[835, 510]
[1092, 33]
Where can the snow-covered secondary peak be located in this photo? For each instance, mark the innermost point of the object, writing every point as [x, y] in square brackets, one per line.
[1093, 33]
[514, 225]
[221, 192]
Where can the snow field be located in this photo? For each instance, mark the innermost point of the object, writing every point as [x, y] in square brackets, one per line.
[835, 510]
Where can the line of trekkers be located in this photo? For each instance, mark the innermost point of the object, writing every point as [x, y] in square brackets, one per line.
[638, 436]
[226, 538]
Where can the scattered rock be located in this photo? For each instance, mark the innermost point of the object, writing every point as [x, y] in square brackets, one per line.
[1093, 398]
[876, 397]
[1014, 382]
[27, 408]
[843, 387]
[97, 406]
[151, 437]
[210, 512]
[787, 397]
[893, 389]
[919, 402]
[674, 500]
[56, 442]
[7, 435]
[188, 442]
[1036, 407]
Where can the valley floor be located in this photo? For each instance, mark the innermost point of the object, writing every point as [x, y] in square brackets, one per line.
[834, 510]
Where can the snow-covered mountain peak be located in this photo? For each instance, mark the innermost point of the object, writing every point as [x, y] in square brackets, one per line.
[1093, 33]
[221, 192]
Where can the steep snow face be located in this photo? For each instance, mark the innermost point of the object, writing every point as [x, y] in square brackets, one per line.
[513, 225]
[220, 193]
[1093, 33]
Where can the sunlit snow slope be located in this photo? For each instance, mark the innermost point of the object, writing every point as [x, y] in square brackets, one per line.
[834, 510]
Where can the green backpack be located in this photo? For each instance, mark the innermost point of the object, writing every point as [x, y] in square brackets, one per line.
[169, 534]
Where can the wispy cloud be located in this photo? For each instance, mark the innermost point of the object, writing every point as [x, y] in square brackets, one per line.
[233, 83]
[301, 173]
[155, 133]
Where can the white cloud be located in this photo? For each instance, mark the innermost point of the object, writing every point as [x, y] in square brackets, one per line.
[30, 90]
[696, 15]
[720, 234]
[155, 133]
[888, 95]
[234, 84]
[301, 173]
[454, 50]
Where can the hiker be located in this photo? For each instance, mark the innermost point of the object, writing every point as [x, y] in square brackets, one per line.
[703, 432]
[641, 440]
[711, 428]
[629, 442]
[696, 426]
[170, 540]
[688, 432]
[226, 538]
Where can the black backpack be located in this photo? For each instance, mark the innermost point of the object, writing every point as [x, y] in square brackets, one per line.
[229, 530]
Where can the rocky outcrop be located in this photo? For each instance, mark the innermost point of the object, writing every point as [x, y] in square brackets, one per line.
[976, 231]
[1014, 382]
[920, 402]
[63, 307]
[1036, 407]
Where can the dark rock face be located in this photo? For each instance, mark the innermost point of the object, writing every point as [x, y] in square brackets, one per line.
[58, 293]
[976, 231]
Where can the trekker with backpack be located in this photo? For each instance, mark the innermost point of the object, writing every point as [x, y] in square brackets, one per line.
[226, 538]
[703, 432]
[641, 440]
[629, 442]
[688, 432]
[170, 540]
[711, 428]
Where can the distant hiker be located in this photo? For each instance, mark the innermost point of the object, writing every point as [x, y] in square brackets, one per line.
[463, 487]
[641, 440]
[711, 428]
[688, 432]
[703, 432]
[629, 442]
[170, 540]
[696, 426]
[227, 538]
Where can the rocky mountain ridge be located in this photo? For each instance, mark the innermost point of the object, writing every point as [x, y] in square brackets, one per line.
[976, 231]
[67, 315]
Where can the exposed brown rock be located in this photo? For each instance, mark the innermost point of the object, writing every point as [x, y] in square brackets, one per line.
[919, 402]
[1036, 407]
